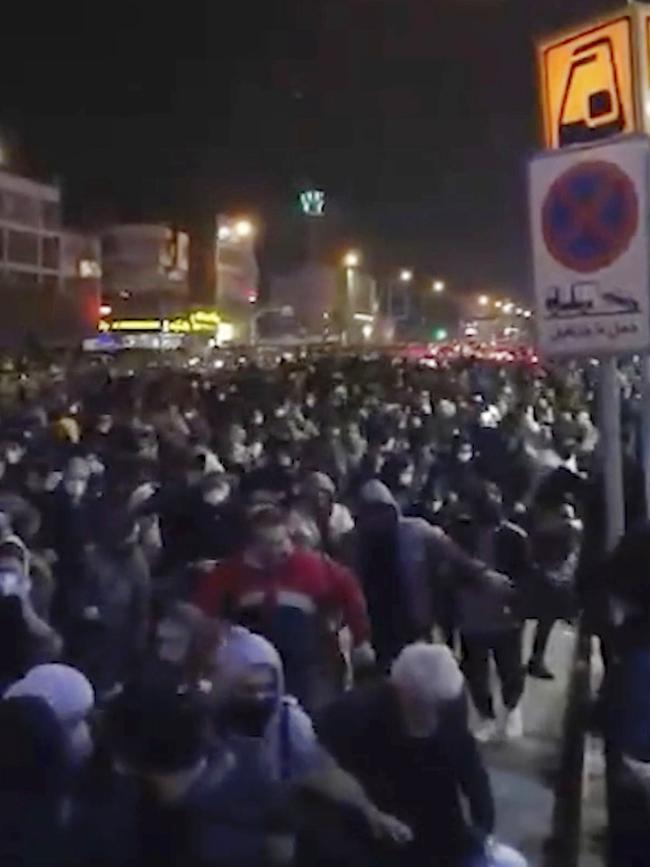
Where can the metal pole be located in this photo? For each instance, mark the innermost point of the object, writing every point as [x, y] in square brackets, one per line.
[347, 316]
[610, 431]
[645, 431]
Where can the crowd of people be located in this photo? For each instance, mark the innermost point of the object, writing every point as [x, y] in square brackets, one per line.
[248, 617]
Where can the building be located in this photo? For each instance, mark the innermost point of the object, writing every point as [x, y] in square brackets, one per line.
[30, 233]
[328, 300]
[49, 276]
[237, 269]
[145, 268]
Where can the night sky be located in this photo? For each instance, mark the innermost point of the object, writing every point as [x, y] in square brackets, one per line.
[415, 116]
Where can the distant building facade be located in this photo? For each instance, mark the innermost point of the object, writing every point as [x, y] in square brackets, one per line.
[145, 264]
[326, 300]
[50, 277]
[236, 266]
[30, 233]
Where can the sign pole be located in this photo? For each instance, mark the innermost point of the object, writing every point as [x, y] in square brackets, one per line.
[610, 431]
[645, 429]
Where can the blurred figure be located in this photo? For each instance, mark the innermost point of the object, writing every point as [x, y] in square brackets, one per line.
[556, 538]
[295, 598]
[492, 627]
[317, 520]
[33, 784]
[407, 741]
[69, 694]
[112, 606]
[184, 645]
[396, 558]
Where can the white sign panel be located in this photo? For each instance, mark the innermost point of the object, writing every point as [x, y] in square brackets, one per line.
[589, 222]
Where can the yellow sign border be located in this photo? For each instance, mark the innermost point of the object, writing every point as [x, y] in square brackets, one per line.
[628, 14]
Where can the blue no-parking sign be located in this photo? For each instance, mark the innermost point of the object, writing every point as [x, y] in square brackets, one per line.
[589, 222]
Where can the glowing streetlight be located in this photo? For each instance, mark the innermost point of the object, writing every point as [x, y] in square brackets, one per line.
[244, 228]
[225, 233]
[498, 304]
[406, 275]
[438, 286]
[352, 259]
[483, 300]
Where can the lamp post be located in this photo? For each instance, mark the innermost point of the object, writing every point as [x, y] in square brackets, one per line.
[351, 262]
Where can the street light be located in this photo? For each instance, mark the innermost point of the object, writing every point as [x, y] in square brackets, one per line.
[244, 228]
[438, 286]
[406, 275]
[483, 300]
[352, 259]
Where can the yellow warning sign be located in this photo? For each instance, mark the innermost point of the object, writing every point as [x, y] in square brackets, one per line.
[587, 84]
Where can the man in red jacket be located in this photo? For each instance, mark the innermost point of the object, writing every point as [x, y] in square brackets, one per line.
[297, 599]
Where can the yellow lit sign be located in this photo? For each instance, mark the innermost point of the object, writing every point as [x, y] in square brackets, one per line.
[134, 325]
[198, 321]
[587, 83]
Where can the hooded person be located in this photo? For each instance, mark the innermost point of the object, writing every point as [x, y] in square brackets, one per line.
[72, 699]
[406, 740]
[33, 776]
[396, 558]
[252, 707]
[173, 796]
[256, 717]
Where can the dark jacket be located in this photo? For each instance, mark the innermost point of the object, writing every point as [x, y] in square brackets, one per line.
[506, 549]
[419, 780]
[111, 610]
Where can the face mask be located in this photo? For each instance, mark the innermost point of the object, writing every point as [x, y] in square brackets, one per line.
[80, 744]
[249, 717]
[465, 456]
[256, 450]
[215, 497]
[10, 583]
[14, 456]
[76, 488]
[95, 466]
[104, 427]
[52, 481]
